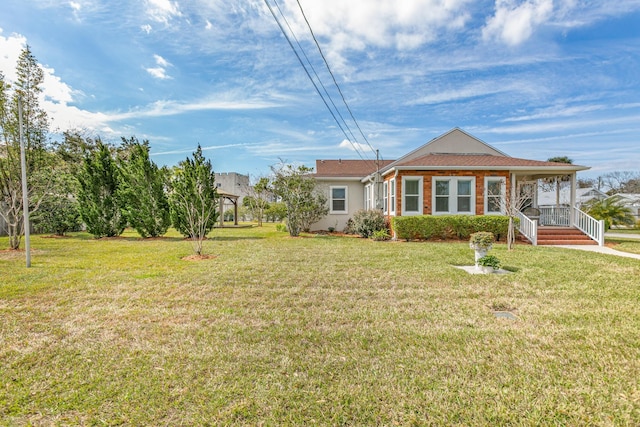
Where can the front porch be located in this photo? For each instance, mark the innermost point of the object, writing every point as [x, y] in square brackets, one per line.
[555, 225]
[560, 226]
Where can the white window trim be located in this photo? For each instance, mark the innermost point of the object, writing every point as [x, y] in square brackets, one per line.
[453, 194]
[392, 197]
[385, 197]
[346, 199]
[503, 189]
[420, 195]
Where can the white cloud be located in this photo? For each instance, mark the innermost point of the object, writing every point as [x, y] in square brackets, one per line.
[358, 24]
[146, 28]
[514, 22]
[354, 146]
[159, 72]
[161, 61]
[10, 48]
[163, 10]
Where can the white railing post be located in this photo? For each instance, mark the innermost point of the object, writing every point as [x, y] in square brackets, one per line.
[528, 228]
[601, 232]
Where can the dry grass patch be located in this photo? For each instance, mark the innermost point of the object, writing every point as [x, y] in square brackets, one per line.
[321, 330]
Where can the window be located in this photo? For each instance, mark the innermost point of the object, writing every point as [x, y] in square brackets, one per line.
[385, 197]
[412, 196]
[392, 197]
[338, 200]
[454, 195]
[494, 201]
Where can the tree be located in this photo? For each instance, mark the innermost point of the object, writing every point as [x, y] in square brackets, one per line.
[611, 211]
[257, 199]
[100, 206]
[622, 182]
[277, 211]
[193, 198]
[297, 189]
[27, 88]
[58, 214]
[145, 205]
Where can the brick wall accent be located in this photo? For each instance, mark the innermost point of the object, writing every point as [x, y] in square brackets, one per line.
[427, 180]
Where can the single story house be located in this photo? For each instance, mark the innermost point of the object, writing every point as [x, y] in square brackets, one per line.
[455, 173]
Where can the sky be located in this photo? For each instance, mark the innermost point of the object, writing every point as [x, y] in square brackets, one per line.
[534, 78]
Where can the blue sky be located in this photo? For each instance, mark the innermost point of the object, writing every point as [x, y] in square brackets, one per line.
[534, 78]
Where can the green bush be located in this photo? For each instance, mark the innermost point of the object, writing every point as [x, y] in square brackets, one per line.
[380, 235]
[366, 222]
[425, 227]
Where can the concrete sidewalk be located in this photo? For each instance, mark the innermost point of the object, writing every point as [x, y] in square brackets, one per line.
[600, 249]
[614, 235]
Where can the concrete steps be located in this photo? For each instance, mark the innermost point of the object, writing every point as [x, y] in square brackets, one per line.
[563, 236]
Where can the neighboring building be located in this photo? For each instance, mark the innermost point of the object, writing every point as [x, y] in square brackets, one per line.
[454, 173]
[629, 200]
[547, 199]
[232, 188]
[233, 183]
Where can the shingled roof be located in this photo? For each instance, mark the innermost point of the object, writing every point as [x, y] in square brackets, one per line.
[347, 168]
[474, 161]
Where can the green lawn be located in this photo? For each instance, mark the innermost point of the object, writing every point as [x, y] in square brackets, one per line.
[314, 330]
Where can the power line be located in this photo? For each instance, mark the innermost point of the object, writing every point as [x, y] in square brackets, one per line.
[335, 82]
[342, 128]
[314, 72]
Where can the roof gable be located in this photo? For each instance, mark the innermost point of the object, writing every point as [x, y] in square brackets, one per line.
[456, 141]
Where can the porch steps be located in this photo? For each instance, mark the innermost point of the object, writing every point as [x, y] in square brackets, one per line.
[563, 236]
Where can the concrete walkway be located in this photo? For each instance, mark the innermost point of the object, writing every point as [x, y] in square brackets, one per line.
[614, 235]
[600, 249]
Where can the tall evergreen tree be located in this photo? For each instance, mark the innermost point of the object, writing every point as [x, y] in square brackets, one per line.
[39, 162]
[193, 198]
[100, 206]
[142, 190]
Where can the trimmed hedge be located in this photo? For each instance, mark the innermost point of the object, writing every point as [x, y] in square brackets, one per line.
[425, 227]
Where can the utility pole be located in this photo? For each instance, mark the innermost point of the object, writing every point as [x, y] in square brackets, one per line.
[25, 196]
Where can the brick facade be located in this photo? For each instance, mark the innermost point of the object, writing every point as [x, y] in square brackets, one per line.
[427, 186]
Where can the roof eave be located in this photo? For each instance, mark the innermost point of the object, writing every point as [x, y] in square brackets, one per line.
[556, 169]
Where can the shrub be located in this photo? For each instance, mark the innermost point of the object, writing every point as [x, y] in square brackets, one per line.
[380, 235]
[425, 227]
[281, 228]
[366, 222]
[482, 239]
[350, 227]
[489, 261]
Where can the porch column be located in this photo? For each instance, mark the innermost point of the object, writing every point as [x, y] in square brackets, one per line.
[514, 201]
[235, 212]
[572, 202]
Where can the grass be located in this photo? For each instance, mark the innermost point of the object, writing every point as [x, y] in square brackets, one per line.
[314, 330]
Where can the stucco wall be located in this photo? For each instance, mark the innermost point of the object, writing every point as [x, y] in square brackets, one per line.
[355, 201]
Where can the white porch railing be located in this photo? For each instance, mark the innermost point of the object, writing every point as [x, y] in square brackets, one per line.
[528, 228]
[588, 225]
[558, 216]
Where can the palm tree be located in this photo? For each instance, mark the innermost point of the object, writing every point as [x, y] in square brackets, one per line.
[611, 211]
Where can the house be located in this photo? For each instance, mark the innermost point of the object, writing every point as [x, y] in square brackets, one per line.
[454, 173]
[629, 200]
[547, 197]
